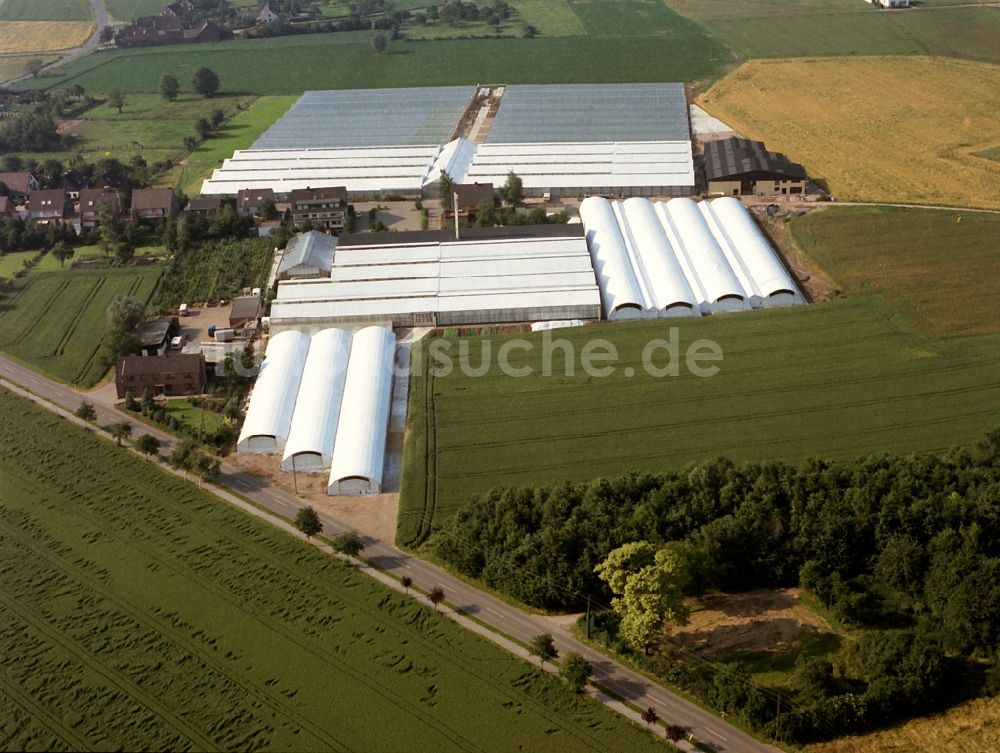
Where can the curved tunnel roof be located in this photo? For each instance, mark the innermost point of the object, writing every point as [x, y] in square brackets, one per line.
[317, 412]
[273, 400]
[666, 279]
[619, 287]
[359, 449]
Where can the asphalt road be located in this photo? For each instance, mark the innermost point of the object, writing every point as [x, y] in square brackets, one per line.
[488, 609]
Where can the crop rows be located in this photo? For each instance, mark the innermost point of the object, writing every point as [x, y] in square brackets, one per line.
[215, 271]
[220, 631]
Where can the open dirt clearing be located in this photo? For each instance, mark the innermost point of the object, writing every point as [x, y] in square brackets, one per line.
[898, 129]
[42, 36]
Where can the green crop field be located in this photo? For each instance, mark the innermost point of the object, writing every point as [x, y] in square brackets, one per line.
[55, 321]
[350, 62]
[970, 33]
[127, 10]
[927, 260]
[213, 271]
[839, 379]
[239, 133]
[45, 10]
[140, 613]
[629, 18]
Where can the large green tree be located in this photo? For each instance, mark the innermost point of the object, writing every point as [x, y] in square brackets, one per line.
[205, 82]
[170, 87]
[648, 586]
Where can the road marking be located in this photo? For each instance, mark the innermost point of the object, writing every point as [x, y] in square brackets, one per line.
[498, 614]
[709, 729]
[656, 700]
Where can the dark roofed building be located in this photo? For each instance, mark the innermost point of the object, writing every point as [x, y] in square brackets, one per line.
[19, 184]
[154, 335]
[576, 230]
[155, 205]
[245, 309]
[6, 208]
[162, 375]
[250, 200]
[323, 207]
[736, 167]
[49, 205]
[72, 182]
[471, 194]
[91, 201]
[204, 205]
[268, 13]
[206, 31]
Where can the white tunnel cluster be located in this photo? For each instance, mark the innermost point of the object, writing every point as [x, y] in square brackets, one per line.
[682, 258]
[323, 402]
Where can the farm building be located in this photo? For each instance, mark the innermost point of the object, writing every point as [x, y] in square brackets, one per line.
[161, 375]
[155, 334]
[890, 3]
[681, 258]
[307, 255]
[739, 167]
[245, 311]
[569, 140]
[323, 403]
[445, 282]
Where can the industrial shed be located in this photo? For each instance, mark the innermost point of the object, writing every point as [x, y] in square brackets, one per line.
[735, 167]
[446, 283]
[359, 450]
[681, 258]
[612, 139]
[269, 415]
[317, 414]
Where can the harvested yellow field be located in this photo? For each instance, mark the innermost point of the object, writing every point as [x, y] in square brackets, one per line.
[12, 66]
[972, 727]
[888, 129]
[42, 36]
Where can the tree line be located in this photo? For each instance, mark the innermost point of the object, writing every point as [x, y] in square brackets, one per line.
[903, 549]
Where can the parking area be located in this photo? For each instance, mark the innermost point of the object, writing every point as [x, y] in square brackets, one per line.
[194, 326]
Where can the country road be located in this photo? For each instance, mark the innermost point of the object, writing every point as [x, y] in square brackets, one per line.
[492, 612]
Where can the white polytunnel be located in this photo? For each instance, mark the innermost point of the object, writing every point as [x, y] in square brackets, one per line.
[711, 272]
[359, 449]
[620, 292]
[666, 281]
[771, 283]
[269, 415]
[314, 423]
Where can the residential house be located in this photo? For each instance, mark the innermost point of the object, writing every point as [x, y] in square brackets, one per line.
[91, 201]
[49, 205]
[151, 30]
[323, 207]
[110, 180]
[206, 31]
[182, 374]
[155, 205]
[72, 182]
[204, 205]
[467, 198]
[250, 200]
[18, 185]
[268, 13]
[307, 255]
[177, 10]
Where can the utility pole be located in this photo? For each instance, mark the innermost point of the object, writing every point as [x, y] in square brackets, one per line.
[588, 617]
[777, 721]
[454, 211]
[295, 480]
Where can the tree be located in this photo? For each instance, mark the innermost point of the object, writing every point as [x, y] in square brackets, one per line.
[190, 142]
[446, 191]
[436, 596]
[85, 411]
[647, 584]
[380, 41]
[348, 543]
[207, 466]
[543, 647]
[62, 251]
[486, 215]
[170, 88]
[649, 716]
[576, 671]
[116, 98]
[130, 403]
[148, 403]
[675, 732]
[203, 128]
[205, 82]
[35, 66]
[126, 313]
[307, 521]
[513, 189]
[406, 581]
[121, 430]
[216, 118]
[107, 34]
[147, 444]
[184, 455]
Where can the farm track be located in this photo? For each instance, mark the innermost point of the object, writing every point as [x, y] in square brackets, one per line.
[37, 712]
[332, 596]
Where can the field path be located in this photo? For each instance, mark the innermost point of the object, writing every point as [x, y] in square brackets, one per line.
[484, 614]
[100, 21]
